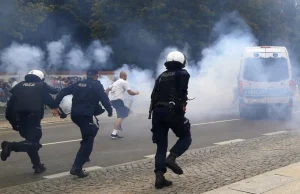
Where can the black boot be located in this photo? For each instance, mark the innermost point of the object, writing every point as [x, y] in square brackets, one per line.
[5, 153]
[78, 172]
[38, 169]
[161, 181]
[171, 163]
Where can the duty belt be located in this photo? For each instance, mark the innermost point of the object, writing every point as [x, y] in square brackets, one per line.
[170, 105]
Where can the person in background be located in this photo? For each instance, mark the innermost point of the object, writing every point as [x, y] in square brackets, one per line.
[118, 89]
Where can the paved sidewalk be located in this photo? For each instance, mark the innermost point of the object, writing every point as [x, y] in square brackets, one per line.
[204, 170]
[285, 180]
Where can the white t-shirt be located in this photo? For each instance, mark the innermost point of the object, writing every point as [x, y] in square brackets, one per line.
[118, 89]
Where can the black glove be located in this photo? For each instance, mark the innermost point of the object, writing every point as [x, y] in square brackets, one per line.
[110, 114]
[62, 115]
[15, 125]
[98, 110]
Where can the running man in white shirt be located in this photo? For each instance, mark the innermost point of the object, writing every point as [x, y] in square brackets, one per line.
[118, 89]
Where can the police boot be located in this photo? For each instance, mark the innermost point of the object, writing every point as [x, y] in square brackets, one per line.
[78, 172]
[38, 169]
[171, 163]
[6, 149]
[161, 181]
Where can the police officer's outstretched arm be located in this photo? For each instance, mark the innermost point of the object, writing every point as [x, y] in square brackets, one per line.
[49, 101]
[50, 89]
[103, 98]
[64, 92]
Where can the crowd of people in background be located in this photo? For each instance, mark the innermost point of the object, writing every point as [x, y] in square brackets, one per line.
[61, 82]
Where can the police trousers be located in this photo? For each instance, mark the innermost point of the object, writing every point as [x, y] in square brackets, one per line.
[30, 129]
[88, 132]
[162, 121]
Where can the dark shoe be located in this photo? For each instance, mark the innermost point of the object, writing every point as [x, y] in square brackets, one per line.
[171, 163]
[116, 136]
[39, 169]
[5, 153]
[78, 172]
[161, 181]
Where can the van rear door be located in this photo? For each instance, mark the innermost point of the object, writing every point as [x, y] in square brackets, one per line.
[266, 79]
[278, 72]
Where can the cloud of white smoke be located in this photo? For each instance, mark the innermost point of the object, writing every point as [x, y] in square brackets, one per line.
[55, 52]
[212, 79]
[21, 58]
[213, 83]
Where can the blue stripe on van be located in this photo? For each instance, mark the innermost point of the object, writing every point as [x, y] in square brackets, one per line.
[271, 92]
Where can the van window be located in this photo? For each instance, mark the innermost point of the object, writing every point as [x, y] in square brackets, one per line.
[265, 69]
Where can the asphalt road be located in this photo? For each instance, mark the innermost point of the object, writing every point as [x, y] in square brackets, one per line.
[62, 142]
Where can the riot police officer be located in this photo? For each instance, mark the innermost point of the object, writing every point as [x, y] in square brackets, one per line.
[85, 102]
[25, 110]
[168, 102]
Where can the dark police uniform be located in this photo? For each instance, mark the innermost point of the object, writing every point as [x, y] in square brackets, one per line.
[85, 104]
[25, 110]
[168, 102]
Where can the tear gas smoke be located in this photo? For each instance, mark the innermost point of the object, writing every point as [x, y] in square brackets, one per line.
[55, 52]
[22, 58]
[213, 82]
[212, 78]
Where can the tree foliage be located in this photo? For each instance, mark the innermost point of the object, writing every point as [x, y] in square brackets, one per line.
[136, 27]
[19, 16]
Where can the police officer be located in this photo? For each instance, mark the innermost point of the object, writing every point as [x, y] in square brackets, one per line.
[168, 102]
[85, 104]
[25, 110]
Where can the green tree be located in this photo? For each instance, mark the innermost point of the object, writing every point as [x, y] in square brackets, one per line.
[19, 16]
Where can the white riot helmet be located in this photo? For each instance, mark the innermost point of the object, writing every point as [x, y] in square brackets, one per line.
[177, 56]
[37, 73]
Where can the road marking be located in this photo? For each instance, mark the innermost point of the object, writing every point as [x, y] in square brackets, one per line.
[213, 122]
[153, 155]
[275, 133]
[229, 142]
[59, 142]
[89, 169]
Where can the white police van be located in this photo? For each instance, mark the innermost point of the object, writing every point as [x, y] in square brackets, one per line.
[265, 82]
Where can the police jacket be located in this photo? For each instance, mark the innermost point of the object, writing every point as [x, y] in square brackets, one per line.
[27, 97]
[49, 89]
[171, 87]
[86, 97]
